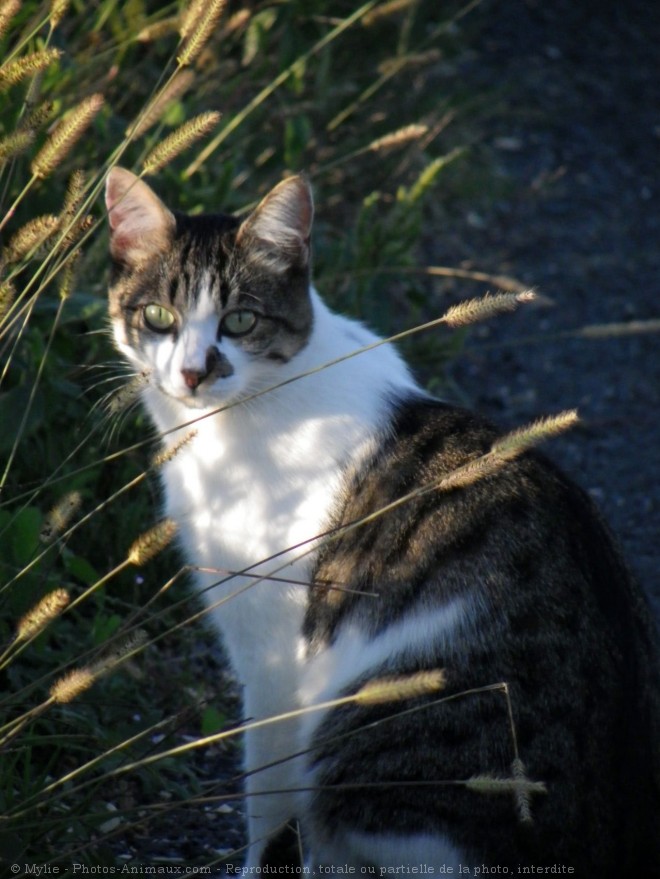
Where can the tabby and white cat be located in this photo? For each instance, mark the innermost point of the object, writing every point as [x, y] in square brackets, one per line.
[512, 578]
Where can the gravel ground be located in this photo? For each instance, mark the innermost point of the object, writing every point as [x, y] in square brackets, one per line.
[574, 137]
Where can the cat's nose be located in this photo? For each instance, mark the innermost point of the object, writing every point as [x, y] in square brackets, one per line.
[216, 363]
[193, 377]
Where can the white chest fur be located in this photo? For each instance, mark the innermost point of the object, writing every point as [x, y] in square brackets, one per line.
[258, 484]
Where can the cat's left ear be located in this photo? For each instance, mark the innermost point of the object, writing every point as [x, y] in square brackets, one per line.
[278, 230]
[140, 225]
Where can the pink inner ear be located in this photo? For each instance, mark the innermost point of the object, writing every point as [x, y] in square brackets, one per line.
[141, 225]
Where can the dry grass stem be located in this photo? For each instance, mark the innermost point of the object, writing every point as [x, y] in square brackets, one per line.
[28, 65]
[36, 619]
[59, 517]
[180, 140]
[177, 86]
[395, 689]
[67, 133]
[151, 543]
[197, 26]
[484, 308]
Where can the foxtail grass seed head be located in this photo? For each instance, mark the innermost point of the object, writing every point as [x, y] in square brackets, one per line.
[71, 685]
[395, 689]
[484, 308]
[58, 10]
[37, 117]
[471, 472]
[427, 177]
[68, 274]
[35, 620]
[67, 133]
[180, 140]
[197, 26]
[166, 455]
[385, 10]
[7, 297]
[151, 542]
[398, 138]
[516, 442]
[74, 193]
[179, 84]
[119, 653]
[522, 793]
[59, 517]
[16, 143]
[8, 10]
[489, 784]
[159, 29]
[31, 237]
[28, 65]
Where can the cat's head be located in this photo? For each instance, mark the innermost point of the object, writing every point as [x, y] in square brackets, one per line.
[207, 307]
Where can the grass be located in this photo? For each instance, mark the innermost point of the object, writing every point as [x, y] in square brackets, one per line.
[220, 113]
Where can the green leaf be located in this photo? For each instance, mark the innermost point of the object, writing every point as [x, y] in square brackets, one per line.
[212, 720]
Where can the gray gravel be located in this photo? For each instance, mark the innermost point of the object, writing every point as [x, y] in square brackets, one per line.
[573, 133]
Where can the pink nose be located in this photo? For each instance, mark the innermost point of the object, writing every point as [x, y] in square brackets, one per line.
[193, 377]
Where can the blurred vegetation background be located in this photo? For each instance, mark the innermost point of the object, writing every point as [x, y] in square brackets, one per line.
[367, 101]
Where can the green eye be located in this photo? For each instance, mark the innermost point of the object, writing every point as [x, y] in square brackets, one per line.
[158, 318]
[238, 323]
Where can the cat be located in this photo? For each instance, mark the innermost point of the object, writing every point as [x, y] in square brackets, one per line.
[512, 579]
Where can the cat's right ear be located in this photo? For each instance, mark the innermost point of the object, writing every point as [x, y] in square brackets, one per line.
[141, 226]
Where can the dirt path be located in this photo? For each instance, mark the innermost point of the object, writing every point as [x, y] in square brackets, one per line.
[573, 130]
